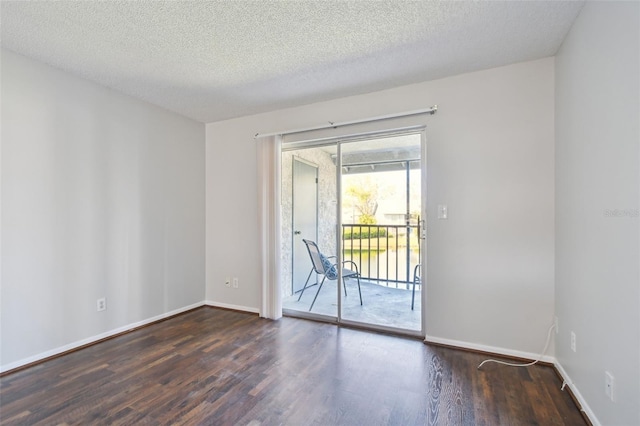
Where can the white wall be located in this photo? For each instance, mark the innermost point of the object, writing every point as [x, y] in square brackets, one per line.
[490, 278]
[597, 173]
[102, 196]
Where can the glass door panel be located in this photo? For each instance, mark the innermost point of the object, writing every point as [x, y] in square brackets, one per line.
[380, 181]
[309, 213]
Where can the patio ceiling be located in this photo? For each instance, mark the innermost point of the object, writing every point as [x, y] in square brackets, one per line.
[379, 154]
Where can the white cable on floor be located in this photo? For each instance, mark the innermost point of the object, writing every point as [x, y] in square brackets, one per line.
[544, 351]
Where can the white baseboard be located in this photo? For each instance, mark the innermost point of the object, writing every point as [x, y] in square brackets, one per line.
[583, 404]
[491, 349]
[230, 306]
[95, 338]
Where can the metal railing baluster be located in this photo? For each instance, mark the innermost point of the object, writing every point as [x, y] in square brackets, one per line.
[375, 269]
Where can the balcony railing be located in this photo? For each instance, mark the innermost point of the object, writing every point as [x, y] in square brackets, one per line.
[386, 254]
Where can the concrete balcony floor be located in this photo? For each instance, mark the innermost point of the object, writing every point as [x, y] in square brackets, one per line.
[381, 305]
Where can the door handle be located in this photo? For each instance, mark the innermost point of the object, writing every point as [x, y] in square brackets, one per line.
[296, 232]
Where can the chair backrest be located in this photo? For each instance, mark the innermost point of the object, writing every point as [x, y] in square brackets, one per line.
[314, 253]
[321, 264]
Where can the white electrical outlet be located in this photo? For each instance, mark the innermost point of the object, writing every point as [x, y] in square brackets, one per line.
[227, 282]
[101, 304]
[609, 381]
[573, 341]
[235, 282]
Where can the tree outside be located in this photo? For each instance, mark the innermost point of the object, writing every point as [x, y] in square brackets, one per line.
[362, 197]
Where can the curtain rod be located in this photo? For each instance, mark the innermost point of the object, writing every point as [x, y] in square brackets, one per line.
[331, 124]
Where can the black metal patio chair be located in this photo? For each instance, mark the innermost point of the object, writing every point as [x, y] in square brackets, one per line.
[322, 265]
[416, 280]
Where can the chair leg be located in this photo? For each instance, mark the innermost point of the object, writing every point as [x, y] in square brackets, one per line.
[305, 284]
[317, 292]
[344, 284]
[413, 294]
[359, 291]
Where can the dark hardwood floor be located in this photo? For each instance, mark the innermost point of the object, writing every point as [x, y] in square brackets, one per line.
[219, 367]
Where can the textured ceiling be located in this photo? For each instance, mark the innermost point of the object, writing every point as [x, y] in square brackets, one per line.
[212, 60]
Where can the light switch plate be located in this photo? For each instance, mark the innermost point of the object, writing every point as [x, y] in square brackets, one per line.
[443, 212]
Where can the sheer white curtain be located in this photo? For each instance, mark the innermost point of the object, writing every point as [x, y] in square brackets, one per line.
[269, 225]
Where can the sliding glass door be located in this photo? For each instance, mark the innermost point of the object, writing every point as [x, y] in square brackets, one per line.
[360, 261]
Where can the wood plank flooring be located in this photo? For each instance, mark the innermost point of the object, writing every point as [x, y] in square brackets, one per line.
[219, 367]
